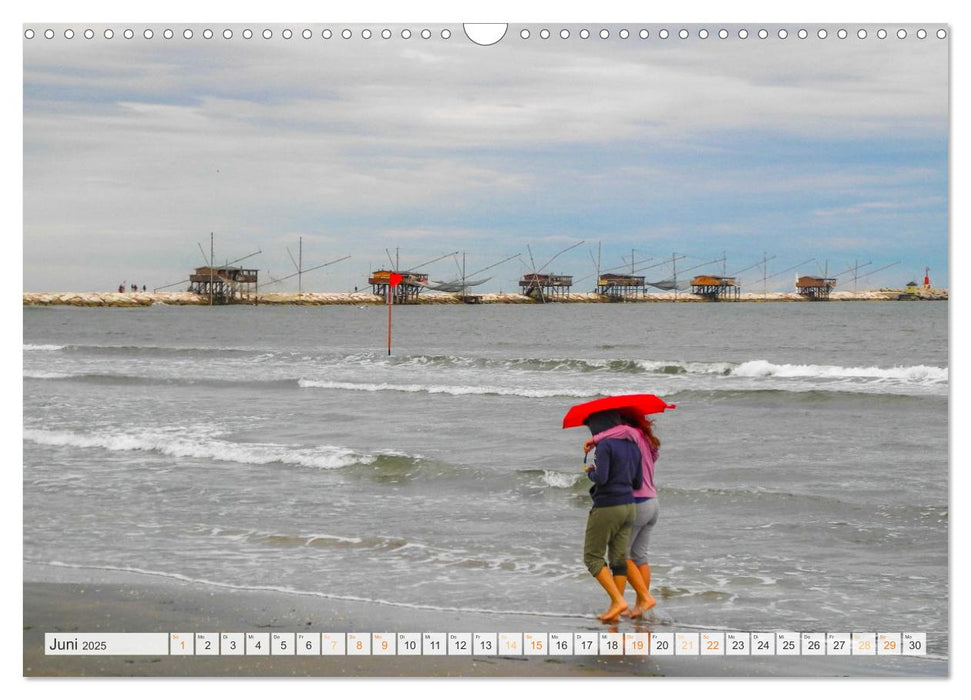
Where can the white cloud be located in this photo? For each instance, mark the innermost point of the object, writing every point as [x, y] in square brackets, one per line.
[881, 207]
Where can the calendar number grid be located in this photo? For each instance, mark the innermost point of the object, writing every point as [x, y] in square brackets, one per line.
[469, 644]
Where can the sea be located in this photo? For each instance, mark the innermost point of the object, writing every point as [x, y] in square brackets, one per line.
[803, 475]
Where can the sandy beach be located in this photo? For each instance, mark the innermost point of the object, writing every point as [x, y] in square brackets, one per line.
[79, 600]
[136, 299]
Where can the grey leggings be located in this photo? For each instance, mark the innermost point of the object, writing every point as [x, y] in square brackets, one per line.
[640, 536]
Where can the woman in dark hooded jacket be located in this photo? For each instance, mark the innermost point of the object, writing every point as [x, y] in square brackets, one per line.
[615, 473]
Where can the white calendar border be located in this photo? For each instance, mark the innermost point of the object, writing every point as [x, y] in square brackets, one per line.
[514, 10]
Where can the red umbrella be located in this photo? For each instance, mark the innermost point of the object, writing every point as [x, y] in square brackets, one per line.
[638, 403]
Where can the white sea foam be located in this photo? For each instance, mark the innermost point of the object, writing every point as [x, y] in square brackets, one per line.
[40, 374]
[335, 538]
[202, 447]
[560, 480]
[918, 374]
[665, 366]
[41, 348]
[304, 539]
[444, 389]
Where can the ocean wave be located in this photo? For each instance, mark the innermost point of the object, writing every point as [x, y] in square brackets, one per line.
[470, 375]
[750, 369]
[42, 348]
[173, 443]
[124, 379]
[917, 374]
[461, 390]
[552, 364]
[149, 350]
[757, 379]
[40, 374]
[921, 374]
[562, 480]
[804, 395]
[550, 478]
[381, 465]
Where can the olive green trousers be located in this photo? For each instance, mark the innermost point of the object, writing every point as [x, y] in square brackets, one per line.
[608, 530]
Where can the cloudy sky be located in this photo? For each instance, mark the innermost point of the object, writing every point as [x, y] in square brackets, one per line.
[831, 150]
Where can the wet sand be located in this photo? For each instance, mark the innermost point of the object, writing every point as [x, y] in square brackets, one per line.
[77, 600]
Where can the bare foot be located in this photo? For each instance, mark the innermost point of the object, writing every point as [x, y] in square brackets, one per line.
[613, 612]
[644, 605]
[634, 612]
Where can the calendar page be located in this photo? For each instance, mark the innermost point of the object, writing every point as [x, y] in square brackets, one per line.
[539, 349]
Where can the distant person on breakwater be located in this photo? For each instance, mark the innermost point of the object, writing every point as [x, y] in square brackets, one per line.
[639, 430]
[121, 288]
[615, 473]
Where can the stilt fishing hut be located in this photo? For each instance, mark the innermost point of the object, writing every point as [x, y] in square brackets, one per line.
[405, 292]
[715, 288]
[225, 285]
[815, 288]
[544, 287]
[620, 287]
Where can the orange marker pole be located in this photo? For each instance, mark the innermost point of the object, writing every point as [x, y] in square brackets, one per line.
[394, 279]
[389, 319]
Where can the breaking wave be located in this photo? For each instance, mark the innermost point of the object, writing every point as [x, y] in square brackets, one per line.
[446, 389]
[550, 478]
[161, 380]
[465, 375]
[553, 364]
[922, 374]
[40, 374]
[174, 443]
[918, 374]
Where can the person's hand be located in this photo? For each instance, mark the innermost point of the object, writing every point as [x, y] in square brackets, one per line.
[588, 445]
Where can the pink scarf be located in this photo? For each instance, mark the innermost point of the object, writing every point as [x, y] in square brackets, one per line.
[648, 455]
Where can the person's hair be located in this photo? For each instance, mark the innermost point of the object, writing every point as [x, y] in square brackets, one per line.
[645, 425]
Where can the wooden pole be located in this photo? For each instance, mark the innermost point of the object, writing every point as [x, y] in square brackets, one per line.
[390, 291]
[764, 276]
[674, 268]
